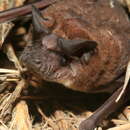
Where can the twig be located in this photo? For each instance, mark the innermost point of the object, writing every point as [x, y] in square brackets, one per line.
[12, 14]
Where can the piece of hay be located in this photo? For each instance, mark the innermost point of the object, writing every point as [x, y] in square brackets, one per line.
[21, 119]
[6, 27]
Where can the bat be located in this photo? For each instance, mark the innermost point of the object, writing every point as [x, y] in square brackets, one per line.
[82, 53]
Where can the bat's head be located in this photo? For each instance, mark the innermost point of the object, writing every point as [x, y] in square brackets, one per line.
[54, 58]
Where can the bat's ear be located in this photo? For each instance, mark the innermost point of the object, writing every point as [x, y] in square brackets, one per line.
[38, 27]
[70, 47]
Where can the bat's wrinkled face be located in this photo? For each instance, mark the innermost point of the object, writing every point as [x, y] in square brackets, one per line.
[48, 64]
[54, 58]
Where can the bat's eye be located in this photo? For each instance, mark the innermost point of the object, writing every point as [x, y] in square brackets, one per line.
[63, 61]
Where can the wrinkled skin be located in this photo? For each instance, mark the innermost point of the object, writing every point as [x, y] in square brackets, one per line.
[102, 21]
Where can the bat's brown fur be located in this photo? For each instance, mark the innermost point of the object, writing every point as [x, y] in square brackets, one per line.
[102, 21]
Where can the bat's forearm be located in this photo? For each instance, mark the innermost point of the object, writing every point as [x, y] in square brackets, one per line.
[106, 109]
[11, 14]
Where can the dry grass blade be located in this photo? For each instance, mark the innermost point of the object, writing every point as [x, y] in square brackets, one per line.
[119, 122]
[7, 103]
[48, 121]
[6, 27]
[12, 57]
[62, 123]
[128, 4]
[10, 71]
[9, 75]
[121, 127]
[4, 30]
[3, 126]
[21, 119]
[127, 77]
[125, 3]
[126, 112]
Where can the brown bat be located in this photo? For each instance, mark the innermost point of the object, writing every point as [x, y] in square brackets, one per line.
[84, 45]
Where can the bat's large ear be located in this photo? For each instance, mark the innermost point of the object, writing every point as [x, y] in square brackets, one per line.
[38, 27]
[71, 47]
